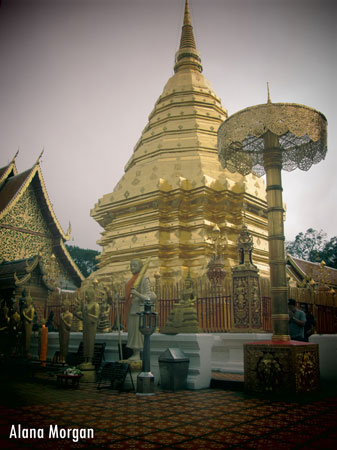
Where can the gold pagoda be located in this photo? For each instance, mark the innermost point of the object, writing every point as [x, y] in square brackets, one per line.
[174, 190]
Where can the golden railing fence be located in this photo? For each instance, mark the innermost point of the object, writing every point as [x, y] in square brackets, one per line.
[214, 306]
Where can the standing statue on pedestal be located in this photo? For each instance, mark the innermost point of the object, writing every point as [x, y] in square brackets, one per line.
[66, 320]
[77, 324]
[27, 316]
[137, 290]
[104, 324]
[89, 315]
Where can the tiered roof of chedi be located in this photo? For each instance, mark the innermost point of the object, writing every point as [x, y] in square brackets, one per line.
[174, 190]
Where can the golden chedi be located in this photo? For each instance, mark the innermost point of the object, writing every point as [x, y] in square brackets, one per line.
[174, 189]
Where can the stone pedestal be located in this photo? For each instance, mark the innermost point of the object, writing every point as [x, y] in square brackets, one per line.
[281, 367]
[246, 302]
[135, 369]
[89, 373]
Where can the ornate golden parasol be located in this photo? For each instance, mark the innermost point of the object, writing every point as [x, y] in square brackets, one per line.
[264, 139]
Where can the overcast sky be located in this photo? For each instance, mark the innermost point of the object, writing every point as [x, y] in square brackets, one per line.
[80, 77]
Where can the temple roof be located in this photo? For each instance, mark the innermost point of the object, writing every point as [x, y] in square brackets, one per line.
[16, 272]
[8, 171]
[62, 252]
[304, 271]
[8, 268]
[13, 187]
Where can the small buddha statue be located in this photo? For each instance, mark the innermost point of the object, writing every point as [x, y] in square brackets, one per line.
[183, 317]
[104, 325]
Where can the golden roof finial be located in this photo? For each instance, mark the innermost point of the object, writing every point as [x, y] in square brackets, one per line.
[14, 157]
[40, 156]
[69, 230]
[187, 17]
[268, 101]
[187, 37]
[187, 56]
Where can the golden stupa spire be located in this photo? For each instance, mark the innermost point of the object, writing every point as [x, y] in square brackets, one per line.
[268, 93]
[187, 57]
[187, 37]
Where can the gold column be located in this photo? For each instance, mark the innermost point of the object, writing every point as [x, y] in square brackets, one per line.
[279, 291]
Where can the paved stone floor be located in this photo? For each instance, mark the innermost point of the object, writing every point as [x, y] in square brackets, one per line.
[215, 418]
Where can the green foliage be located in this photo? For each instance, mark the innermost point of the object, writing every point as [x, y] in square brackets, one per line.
[307, 245]
[84, 258]
[313, 246]
[329, 253]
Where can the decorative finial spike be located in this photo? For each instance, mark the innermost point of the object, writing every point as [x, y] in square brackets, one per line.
[69, 229]
[268, 101]
[187, 57]
[14, 157]
[40, 156]
[187, 36]
[187, 17]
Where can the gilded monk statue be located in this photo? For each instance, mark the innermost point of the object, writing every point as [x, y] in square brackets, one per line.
[27, 320]
[134, 302]
[66, 320]
[89, 314]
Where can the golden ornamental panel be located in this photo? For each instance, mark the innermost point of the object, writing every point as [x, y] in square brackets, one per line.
[281, 368]
[26, 214]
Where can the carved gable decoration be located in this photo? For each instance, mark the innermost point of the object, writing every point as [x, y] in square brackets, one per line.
[29, 227]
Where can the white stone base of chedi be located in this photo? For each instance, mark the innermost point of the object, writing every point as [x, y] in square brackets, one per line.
[196, 347]
[327, 344]
[227, 350]
[207, 352]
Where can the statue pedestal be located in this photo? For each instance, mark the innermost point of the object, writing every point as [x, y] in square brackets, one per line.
[89, 373]
[135, 369]
[281, 367]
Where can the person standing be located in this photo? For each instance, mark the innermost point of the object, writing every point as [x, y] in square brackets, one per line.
[310, 323]
[296, 321]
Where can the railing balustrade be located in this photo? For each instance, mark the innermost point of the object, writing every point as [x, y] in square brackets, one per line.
[214, 306]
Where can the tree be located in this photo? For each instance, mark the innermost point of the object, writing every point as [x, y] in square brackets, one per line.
[84, 258]
[329, 253]
[308, 245]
